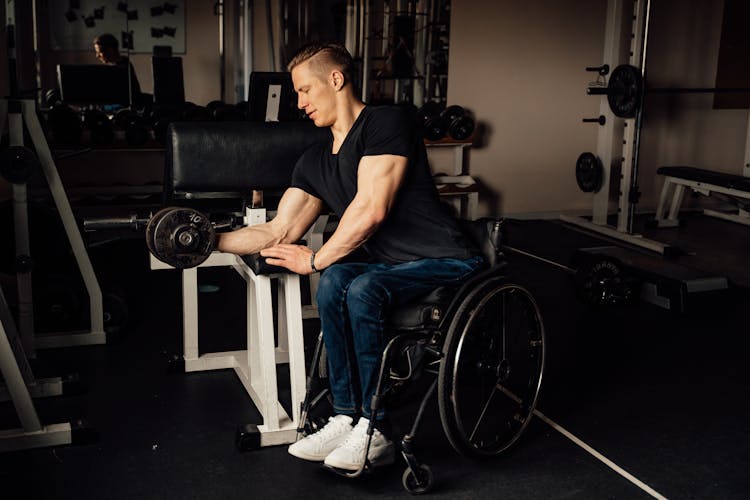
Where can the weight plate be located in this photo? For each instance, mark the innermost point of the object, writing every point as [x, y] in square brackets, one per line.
[625, 90]
[461, 128]
[151, 227]
[603, 283]
[183, 238]
[434, 129]
[589, 172]
[17, 163]
[451, 113]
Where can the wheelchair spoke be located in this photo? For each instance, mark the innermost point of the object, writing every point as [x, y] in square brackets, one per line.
[484, 410]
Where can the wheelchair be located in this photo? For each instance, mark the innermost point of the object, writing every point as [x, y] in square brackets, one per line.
[483, 343]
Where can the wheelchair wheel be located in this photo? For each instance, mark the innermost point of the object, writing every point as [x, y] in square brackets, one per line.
[491, 372]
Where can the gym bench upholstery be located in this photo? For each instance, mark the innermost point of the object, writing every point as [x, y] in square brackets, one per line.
[707, 182]
[208, 163]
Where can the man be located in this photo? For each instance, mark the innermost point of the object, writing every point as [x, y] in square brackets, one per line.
[374, 174]
[107, 51]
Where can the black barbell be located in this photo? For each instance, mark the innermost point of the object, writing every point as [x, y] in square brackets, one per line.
[179, 236]
[626, 88]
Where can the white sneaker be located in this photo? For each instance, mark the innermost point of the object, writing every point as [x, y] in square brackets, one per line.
[351, 453]
[318, 445]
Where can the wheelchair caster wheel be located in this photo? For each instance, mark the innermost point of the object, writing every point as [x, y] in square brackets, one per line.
[417, 482]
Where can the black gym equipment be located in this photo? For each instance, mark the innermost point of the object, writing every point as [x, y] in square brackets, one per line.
[457, 123]
[626, 88]
[483, 342]
[180, 237]
[589, 172]
[438, 123]
[99, 126]
[17, 164]
[65, 125]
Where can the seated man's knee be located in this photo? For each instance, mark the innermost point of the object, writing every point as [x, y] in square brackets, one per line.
[333, 284]
[367, 290]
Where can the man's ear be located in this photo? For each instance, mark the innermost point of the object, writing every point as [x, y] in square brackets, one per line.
[337, 79]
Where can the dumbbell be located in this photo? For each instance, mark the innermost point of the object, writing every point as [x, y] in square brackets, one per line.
[457, 123]
[136, 133]
[99, 126]
[65, 124]
[428, 116]
[179, 236]
[194, 113]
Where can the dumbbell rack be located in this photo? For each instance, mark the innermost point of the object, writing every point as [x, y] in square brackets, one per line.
[457, 185]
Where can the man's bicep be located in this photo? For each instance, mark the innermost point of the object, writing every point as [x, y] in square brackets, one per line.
[380, 177]
[296, 212]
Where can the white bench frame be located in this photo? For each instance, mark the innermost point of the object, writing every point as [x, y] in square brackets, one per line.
[255, 365]
[674, 188]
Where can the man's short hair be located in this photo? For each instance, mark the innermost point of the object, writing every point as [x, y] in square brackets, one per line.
[106, 40]
[329, 54]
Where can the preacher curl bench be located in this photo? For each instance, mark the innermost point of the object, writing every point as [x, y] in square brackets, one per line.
[483, 341]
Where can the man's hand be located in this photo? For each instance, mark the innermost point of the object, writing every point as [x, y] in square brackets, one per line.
[296, 258]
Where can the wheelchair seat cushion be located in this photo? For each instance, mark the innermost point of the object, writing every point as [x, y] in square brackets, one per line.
[423, 312]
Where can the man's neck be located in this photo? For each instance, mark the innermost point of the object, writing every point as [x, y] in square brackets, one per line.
[349, 108]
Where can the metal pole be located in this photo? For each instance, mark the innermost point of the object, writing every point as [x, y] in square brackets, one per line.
[219, 6]
[366, 53]
[269, 25]
[633, 190]
[247, 47]
[606, 142]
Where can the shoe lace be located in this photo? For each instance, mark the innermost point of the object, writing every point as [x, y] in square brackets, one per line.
[330, 429]
[357, 440]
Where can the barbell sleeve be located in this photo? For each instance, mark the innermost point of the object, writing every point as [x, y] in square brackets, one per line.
[602, 70]
[132, 222]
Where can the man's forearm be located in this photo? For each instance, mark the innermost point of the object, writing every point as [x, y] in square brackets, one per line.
[356, 226]
[249, 240]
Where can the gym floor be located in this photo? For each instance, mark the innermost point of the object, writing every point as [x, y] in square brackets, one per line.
[636, 400]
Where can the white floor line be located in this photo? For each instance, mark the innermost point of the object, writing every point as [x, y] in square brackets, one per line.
[609, 463]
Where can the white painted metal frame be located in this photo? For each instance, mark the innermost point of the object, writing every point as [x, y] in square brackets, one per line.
[606, 141]
[255, 366]
[464, 195]
[674, 189]
[96, 334]
[31, 434]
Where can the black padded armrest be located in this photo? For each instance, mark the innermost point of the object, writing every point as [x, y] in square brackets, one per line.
[258, 264]
[235, 156]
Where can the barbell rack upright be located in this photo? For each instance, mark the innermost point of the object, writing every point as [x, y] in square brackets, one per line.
[628, 188]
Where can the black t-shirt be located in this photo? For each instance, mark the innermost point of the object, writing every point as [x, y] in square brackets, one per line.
[417, 226]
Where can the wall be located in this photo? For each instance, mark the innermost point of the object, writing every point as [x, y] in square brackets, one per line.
[529, 92]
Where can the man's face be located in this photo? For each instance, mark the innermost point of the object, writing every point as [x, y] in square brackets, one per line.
[316, 95]
[104, 54]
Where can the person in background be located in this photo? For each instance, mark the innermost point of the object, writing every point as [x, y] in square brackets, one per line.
[107, 50]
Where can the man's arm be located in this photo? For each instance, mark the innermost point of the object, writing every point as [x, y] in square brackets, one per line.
[378, 180]
[296, 213]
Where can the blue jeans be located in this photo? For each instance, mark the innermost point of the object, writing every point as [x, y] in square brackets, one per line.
[353, 303]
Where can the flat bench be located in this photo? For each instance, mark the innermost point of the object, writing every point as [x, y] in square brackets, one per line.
[705, 182]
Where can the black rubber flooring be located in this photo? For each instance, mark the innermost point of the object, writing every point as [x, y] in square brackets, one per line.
[660, 394]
